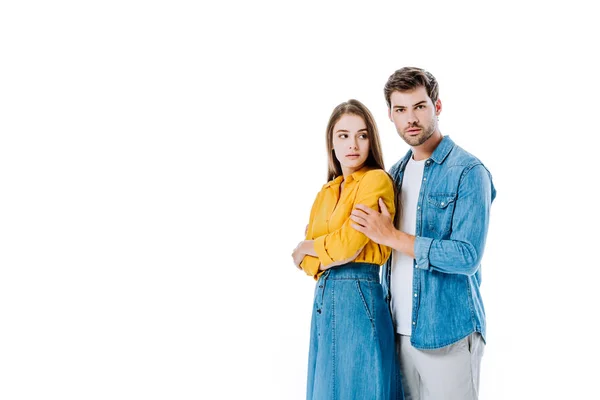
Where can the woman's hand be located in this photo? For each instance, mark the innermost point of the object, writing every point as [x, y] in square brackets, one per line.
[298, 255]
[305, 247]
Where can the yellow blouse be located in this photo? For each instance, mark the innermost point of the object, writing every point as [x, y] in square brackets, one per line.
[329, 224]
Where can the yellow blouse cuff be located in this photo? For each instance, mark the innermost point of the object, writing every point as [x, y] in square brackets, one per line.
[310, 265]
[319, 244]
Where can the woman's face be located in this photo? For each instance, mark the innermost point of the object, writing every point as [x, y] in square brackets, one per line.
[351, 143]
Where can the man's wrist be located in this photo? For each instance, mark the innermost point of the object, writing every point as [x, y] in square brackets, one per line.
[393, 240]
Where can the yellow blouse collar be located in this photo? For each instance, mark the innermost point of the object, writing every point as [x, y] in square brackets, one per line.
[355, 176]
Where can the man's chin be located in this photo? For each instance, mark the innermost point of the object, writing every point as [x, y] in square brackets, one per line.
[414, 140]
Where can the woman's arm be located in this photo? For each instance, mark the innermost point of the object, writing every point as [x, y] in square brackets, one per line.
[346, 243]
[306, 248]
[305, 263]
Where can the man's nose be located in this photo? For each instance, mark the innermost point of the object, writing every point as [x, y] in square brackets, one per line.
[412, 117]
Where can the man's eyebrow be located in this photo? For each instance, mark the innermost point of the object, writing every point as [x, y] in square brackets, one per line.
[414, 105]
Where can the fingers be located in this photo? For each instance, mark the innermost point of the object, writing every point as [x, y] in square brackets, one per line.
[358, 219]
[359, 228]
[383, 208]
[297, 260]
[363, 208]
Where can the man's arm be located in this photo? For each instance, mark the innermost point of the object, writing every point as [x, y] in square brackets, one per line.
[462, 252]
[379, 227]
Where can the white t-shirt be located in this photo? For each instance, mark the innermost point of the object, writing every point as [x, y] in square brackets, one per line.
[401, 284]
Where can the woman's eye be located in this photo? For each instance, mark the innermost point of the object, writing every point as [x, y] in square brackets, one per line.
[342, 136]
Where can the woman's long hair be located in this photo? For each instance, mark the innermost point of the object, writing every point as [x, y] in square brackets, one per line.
[375, 158]
[353, 107]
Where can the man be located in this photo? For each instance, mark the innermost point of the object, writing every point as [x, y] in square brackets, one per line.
[432, 279]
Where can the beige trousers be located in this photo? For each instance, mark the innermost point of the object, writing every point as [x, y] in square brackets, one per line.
[448, 373]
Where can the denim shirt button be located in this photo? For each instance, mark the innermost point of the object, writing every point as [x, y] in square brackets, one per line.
[414, 323]
[415, 295]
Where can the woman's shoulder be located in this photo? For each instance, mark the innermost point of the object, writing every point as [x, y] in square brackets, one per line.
[375, 176]
[334, 181]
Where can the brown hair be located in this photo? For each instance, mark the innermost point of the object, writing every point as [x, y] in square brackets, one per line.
[375, 158]
[353, 107]
[409, 78]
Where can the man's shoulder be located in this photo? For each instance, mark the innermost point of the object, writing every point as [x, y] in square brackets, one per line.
[460, 157]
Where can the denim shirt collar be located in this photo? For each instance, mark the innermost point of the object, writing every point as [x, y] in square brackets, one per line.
[442, 150]
[439, 154]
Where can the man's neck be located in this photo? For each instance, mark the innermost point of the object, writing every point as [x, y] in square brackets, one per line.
[426, 149]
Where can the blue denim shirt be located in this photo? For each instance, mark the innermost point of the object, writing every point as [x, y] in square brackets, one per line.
[453, 213]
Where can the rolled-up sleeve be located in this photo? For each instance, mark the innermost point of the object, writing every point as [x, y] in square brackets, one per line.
[310, 265]
[461, 253]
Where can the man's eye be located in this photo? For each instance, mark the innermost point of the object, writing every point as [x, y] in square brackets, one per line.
[420, 107]
[399, 110]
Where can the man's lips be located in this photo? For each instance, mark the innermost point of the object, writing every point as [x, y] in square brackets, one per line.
[413, 130]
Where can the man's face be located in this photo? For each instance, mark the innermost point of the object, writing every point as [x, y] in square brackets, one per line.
[414, 115]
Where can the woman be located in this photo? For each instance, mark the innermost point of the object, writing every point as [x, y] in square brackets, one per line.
[352, 352]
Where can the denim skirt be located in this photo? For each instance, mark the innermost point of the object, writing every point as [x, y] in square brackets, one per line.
[352, 353]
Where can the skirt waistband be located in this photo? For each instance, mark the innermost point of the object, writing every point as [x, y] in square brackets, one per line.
[353, 270]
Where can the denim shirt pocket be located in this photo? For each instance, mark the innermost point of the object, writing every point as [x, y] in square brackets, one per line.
[439, 213]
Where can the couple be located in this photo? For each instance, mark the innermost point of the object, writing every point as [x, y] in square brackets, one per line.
[431, 215]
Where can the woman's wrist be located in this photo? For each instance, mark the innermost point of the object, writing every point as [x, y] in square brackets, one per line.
[308, 247]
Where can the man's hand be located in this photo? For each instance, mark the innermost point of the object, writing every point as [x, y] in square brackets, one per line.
[378, 227]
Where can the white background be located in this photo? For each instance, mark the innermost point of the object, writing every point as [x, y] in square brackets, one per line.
[158, 161]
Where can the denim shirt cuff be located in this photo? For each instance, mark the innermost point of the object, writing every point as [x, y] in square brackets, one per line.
[422, 246]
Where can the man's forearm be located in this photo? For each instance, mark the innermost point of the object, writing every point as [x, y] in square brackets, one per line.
[402, 242]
